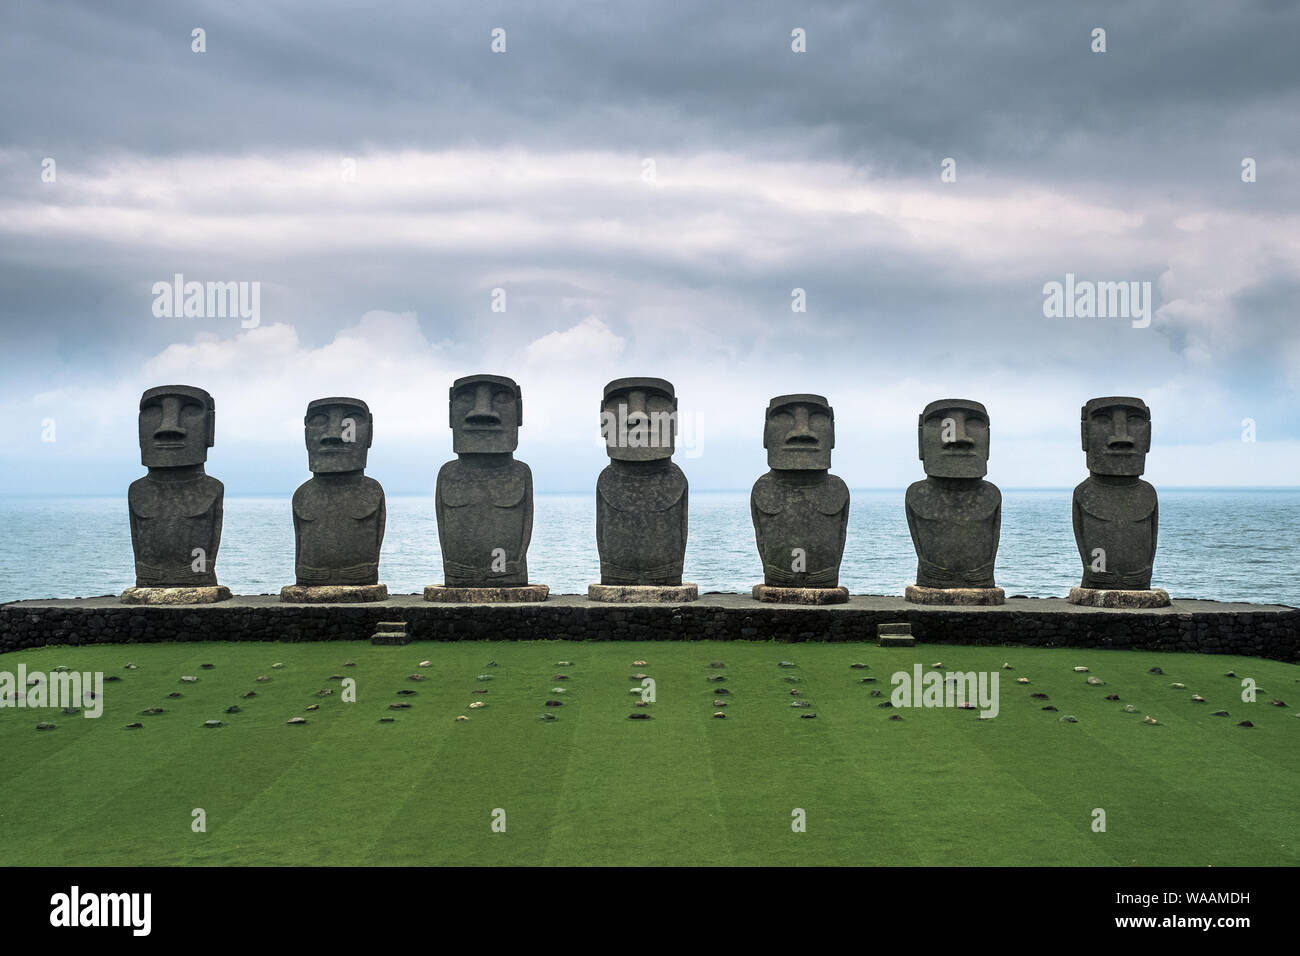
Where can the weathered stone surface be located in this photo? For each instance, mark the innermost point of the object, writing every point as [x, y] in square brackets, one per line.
[799, 509]
[954, 515]
[1115, 512]
[955, 596]
[815, 595]
[194, 595]
[333, 593]
[1093, 597]
[339, 514]
[1249, 630]
[516, 594]
[643, 594]
[484, 499]
[176, 509]
[641, 495]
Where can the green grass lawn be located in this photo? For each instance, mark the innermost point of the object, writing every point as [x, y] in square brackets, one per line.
[938, 786]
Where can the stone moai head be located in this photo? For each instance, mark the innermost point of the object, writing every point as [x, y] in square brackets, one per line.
[338, 432]
[178, 424]
[485, 413]
[953, 438]
[638, 419]
[799, 433]
[1116, 433]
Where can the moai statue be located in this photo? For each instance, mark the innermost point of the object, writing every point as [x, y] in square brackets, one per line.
[800, 510]
[955, 516]
[1114, 509]
[641, 497]
[339, 513]
[175, 508]
[485, 497]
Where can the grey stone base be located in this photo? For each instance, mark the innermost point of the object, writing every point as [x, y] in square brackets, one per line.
[966, 597]
[522, 594]
[333, 593]
[643, 593]
[202, 595]
[1097, 597]
[774, 595]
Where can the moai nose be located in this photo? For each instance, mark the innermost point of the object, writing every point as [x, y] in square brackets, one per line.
[170, 428]
[959, 437]
[801, 434]
[482, 413]
[1119, 437]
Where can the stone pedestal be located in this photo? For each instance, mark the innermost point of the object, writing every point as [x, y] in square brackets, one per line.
[439, 594]
[968, 597]
[1096, 597]
[333, 593]
[771, 595]
[643, 593]
[199, 595]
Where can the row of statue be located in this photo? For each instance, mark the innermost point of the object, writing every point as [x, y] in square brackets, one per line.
[484, 503]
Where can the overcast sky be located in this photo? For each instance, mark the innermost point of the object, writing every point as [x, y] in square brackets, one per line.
[648, 183]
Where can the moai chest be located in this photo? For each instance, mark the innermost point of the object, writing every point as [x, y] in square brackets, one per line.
[955, 531]
[799, 527]
[1118, 521]
[483, 515]
[175, 529]
[339, 531]
[641, 518]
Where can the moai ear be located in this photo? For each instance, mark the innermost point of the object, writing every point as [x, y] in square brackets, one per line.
[519, 403]
[370, 420]
[1083, 426]
[451, 394]
[920, 441]
[212, 422]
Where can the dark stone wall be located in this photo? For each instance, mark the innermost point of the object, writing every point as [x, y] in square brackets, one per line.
[1270, 631]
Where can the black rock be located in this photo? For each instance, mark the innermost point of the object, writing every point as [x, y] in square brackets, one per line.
[251, 693]
[546, 717]
[1245, 723]
[409, 693]
[877, 693]
[1049, 707]
[207, 667]
[554, 703]
[716, 664]
[136, 726]
[151, 711]
[45, 725]
[1040, 696]
[1112, 696]
[175, 694]
[867, 680]
[639, 715]
[1155, 670]
[721, 690]
[895, 716]
[1219, 713]
[859, 667]
[233, 709]
[885, 703]
[386, 720]
[111, 678]
[807, 716]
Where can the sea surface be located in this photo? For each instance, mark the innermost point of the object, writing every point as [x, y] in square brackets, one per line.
[1228, 545]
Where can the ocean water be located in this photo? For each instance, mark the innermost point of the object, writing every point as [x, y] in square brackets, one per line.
[1229, 545]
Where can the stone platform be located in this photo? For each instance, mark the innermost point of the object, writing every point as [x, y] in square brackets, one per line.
[439, 594]
[955, 597]
[176, 596]
[1096, 597]
[333, 593]
[643, 593]
[1258, 630]
[774, 595]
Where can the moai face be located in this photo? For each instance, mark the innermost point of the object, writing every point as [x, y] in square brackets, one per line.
[1116, 434]
[177, 426]
[338, 432]
[953, 435]
[638, 419]
[485, 414]
[799, 433]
